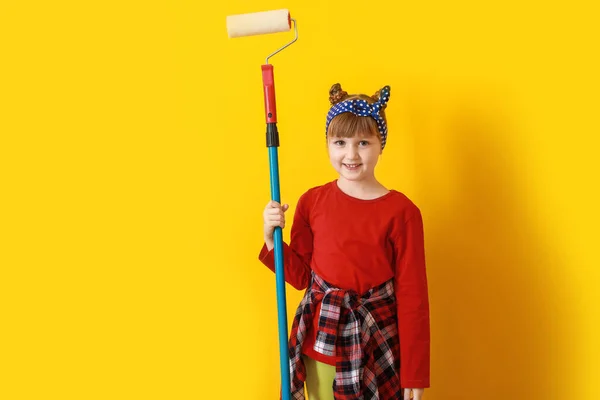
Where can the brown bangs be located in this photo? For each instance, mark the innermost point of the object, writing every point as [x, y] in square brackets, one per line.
[348, 125]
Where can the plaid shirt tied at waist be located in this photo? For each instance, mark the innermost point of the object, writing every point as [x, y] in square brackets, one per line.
[361, 331]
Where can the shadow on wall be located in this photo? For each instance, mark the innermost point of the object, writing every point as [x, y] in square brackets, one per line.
[495, 332]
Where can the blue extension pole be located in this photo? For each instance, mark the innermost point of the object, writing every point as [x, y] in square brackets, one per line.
[272, 140]
[280, 281]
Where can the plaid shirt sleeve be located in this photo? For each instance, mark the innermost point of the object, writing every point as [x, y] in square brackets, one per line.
[298, 254]
[413, 304]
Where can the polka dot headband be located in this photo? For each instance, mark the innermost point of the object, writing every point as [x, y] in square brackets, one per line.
[363, 109]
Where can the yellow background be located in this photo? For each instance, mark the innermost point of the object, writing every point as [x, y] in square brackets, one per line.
[134, 173]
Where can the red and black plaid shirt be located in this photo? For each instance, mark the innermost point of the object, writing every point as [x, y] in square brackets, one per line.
[360, 330]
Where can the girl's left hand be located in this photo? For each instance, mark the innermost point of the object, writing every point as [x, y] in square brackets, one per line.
[417, 394]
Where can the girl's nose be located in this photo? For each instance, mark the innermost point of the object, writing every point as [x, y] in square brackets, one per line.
[352, 152]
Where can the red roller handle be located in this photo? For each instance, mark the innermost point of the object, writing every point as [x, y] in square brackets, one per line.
[269, 92]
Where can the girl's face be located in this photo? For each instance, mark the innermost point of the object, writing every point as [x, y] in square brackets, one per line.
[354, 158]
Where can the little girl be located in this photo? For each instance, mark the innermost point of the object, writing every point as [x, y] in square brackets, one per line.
[361, 330]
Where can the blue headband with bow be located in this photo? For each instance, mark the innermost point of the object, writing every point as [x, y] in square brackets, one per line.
[363, 109]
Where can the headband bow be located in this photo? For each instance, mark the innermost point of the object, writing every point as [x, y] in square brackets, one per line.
[363, 109]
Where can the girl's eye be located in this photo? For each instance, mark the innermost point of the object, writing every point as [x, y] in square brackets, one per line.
[339, 142]
[364, 143]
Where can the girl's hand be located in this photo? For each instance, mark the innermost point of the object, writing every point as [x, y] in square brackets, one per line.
[417, 394]
[274, 216]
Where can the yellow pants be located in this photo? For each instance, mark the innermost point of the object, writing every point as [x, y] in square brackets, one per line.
[319, 379]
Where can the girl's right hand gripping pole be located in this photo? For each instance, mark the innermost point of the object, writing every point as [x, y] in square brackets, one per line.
[272, 145]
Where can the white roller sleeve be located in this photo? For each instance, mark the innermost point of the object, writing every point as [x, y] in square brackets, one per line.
[258, 23]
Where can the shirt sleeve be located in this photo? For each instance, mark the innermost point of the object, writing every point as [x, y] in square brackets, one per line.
[298, 254]
[413, 303]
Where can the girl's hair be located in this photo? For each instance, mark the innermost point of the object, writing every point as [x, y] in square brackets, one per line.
[347, 125]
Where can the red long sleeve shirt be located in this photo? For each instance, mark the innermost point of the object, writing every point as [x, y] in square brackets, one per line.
[357, 244]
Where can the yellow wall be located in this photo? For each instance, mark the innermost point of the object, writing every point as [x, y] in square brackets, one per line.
[134, 174]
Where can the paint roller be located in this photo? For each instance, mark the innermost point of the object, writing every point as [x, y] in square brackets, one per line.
[261, 23]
